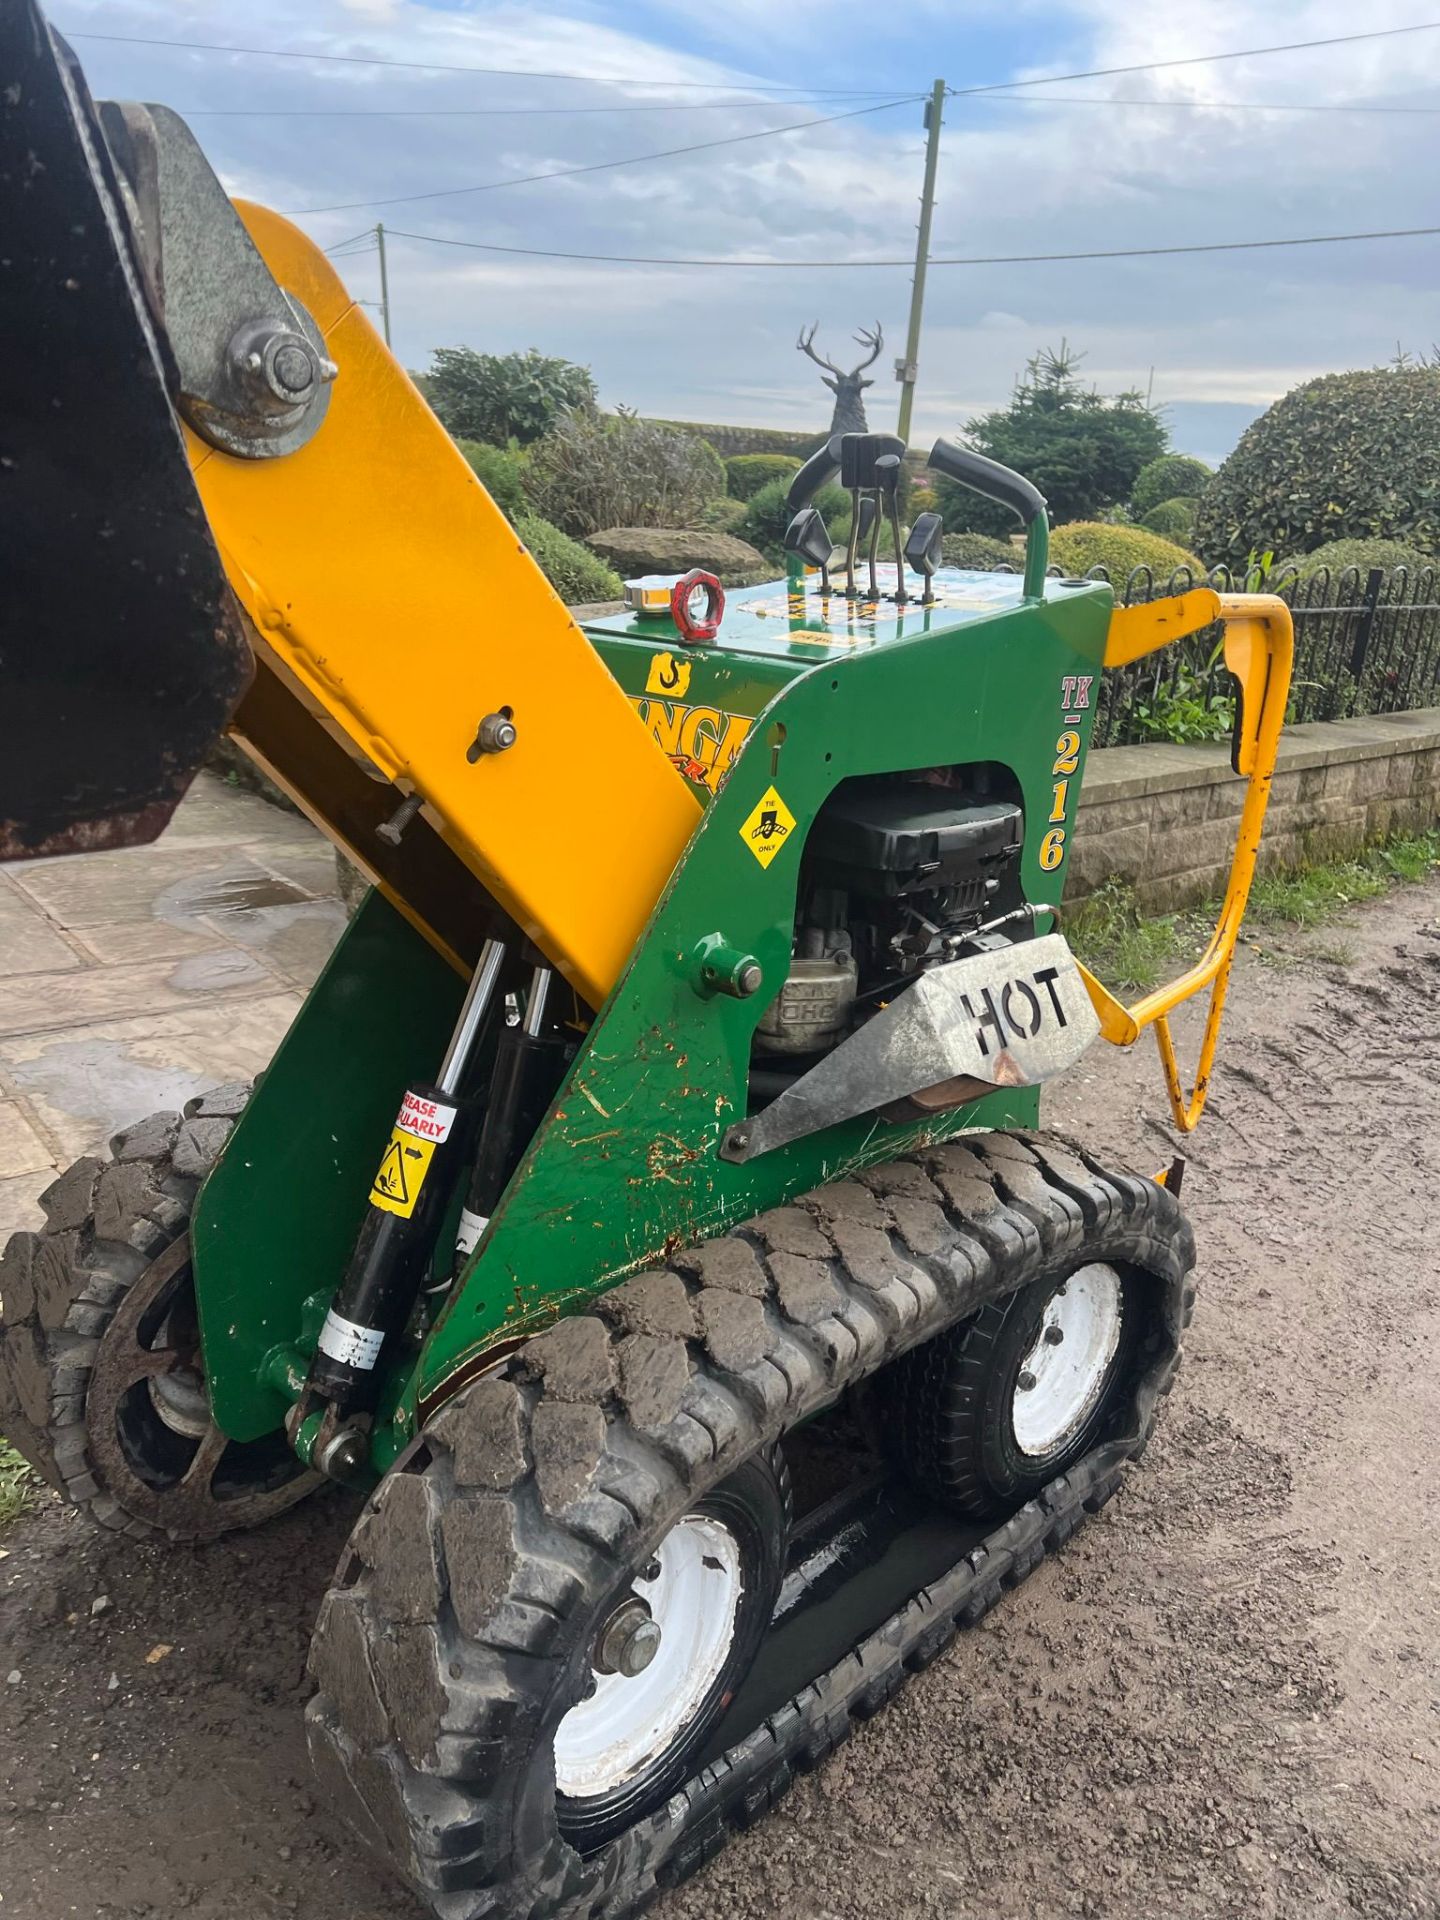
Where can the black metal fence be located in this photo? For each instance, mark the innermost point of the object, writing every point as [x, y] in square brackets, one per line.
[1365, 642]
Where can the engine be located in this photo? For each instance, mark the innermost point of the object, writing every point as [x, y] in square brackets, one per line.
[900, 872]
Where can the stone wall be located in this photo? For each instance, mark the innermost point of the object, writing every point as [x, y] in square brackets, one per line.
[1164, 818]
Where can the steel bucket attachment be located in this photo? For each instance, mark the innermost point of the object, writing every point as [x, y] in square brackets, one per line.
[122, 653]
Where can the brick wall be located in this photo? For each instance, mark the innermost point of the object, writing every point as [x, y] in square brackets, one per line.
[1165, 817]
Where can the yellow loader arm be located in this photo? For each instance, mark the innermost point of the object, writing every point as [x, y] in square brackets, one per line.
[1259, 651]
[388, 593]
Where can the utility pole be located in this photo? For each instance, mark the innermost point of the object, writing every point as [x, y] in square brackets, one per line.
[384, 284]
[906, 370]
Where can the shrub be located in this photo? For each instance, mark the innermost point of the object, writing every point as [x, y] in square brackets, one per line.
[723, 514]
[1337, 555]
[978, 553]
[1172, 519]
[1348, 456]
[500, 470]
[767, 516]
[503, 396]
[596, 470]
[1083, 452]
[575, 573]
[1174, 476]
[1087, 543]
[746, 473]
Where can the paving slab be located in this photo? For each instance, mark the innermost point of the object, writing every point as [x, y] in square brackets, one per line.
[133, 981]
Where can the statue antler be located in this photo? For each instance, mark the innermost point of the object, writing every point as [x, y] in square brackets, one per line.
[804, 344]
[875, 340]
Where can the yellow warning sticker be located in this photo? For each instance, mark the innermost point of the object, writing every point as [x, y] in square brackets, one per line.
[768, 827]
[668, 675]
[402, 1173]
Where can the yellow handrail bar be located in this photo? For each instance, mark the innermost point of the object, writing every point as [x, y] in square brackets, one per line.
[1259, 651]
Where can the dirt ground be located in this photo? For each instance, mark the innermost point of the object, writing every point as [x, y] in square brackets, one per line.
[1223, 1699]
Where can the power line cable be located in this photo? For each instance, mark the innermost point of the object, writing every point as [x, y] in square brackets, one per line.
[971, 260]
[1207, 106]
[440, 66]
[527, 73]
[604, 166]
[499, 113]
[1199, 59]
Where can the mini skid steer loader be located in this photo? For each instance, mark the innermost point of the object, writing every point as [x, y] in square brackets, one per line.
[647, 1207]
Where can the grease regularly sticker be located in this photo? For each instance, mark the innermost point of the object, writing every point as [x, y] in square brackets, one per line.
[420, 1126]
[768, 827]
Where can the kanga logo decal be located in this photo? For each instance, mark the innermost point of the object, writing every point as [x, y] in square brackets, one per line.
[768, 828]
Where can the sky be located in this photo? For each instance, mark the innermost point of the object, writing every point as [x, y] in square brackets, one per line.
[1189, 154]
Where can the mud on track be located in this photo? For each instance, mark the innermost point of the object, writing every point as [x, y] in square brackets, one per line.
[1222, 1699]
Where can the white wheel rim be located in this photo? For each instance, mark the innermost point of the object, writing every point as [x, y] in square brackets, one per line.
[604, 1742]
[1061, 1379]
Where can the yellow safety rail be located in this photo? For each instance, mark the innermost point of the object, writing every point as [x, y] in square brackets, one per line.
[1259, 651]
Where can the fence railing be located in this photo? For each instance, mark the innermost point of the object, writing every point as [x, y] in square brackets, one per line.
[1366, 641]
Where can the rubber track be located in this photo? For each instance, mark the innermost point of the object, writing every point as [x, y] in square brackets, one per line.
[106, 1221]
[468, 1590]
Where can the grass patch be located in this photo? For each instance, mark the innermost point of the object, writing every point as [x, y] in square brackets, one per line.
[18, 1484]
[1129, 949]
[1118, 943]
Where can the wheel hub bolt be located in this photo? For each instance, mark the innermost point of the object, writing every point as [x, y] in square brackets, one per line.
[1026, 1381]
[629, 1642]
[1053, 1336]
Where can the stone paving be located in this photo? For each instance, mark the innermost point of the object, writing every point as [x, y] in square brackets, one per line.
[129, 982]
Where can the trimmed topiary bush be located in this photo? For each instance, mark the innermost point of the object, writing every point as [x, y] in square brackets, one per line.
[767, 516]
[501, 471]
[1089, 543]
[746, 473]
[1174, 476]
[575, 573]
[1348, 456]
[724, 513]
[978, 553]
[1172, 519]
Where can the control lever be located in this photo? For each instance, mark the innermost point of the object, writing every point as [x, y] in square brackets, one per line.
[887, 468]
[808, 538]
[1011, 490]
[923, 552]
[818, 471]
[860, 455]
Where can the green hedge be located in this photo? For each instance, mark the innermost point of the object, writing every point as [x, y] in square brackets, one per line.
[1174, 476]
[1350, 456]
[747, 473]
[501, 471]
[1337, 555]
[574, 571]
[767, 516]
[978, 553]
[1172, 519]
[1091, 543]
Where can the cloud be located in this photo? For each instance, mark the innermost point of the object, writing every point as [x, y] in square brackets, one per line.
[1221, 335]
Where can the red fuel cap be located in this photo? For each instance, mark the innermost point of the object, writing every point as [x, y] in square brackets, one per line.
[697, 618]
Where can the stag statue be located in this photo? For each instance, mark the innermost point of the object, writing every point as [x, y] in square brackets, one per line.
[848, 388]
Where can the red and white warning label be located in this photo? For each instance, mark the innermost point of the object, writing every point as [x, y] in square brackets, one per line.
[425, 1119]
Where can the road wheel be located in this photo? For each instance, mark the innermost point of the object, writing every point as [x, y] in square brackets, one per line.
[993, 1410]
[102, 1385]
[668, 1653]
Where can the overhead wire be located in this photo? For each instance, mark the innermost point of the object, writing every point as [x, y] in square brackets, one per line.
[710, 86]
[502, 113]
[604, 166]
[936, 260]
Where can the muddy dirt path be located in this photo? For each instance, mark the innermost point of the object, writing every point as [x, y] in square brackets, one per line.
[1223, 1699]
